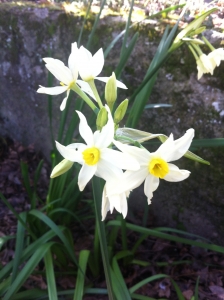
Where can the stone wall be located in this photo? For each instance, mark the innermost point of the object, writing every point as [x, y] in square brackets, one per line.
[29, 33]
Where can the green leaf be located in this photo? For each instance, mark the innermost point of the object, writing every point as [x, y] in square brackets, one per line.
[79, 288]
[196, 289]
[157, 105]
[119, 284]
[154, 232]
[20, 235]
[51, 284]
[57, 230]
[27, 270]
[146, 280]
[126, 55]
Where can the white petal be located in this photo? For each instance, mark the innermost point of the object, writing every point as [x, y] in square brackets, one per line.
[85, 88]
[56, 90]
[50, 60]
[103, 138]
[84, 64]
[172, 150]
[71, 152]
[120, 84]
[97, 62]
[129, 181]
[151, 184]
[84, 130]
[108, 171]
[73, 61]
[105, 204]
[63, 104]
[207, 63]
[141, 155]
[119, 202]
[175, 174]
[60, 71]
[85, 174]
[119, 159]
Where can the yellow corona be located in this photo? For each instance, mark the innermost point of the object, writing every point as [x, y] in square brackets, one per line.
[158, 167]
[91, 156]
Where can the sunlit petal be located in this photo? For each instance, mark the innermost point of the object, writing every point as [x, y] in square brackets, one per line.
[73, 61]
[172, 150]
[119, 83]
[71, 153]
[85, 131]
[52, 90]
[85, 88]
[97, 62]
[61, 72]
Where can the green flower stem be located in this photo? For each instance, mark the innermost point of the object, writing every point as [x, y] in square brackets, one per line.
[207, 43]
[95, 92]
[88, 101]
[97, 194]
[193, 52]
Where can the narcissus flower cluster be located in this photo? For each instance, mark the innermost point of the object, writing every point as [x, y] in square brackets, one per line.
[108, 152]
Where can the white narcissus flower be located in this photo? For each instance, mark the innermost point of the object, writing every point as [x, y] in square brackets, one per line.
[90, 66]
[95, 156]
[216, 56]
[204, 65]
[153, 166]
[117, 201]
[66, 75]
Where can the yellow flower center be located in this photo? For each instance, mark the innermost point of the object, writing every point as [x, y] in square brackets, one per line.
[69, 86]
[91, 156]
[158, 167]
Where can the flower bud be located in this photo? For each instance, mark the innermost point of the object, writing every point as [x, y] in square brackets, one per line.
[61, 168]
[120, 111]
[102, 118]
[111, 91]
